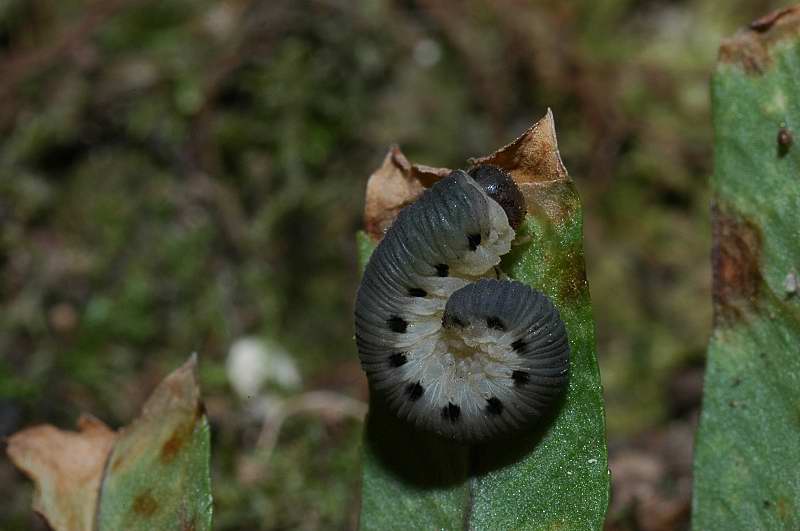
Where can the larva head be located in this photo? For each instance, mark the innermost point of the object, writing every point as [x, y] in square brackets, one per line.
[500, 186]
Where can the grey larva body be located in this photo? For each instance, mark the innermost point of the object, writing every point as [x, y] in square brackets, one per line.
[452, 351]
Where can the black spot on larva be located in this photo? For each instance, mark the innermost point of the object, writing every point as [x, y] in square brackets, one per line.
[414, 391]
[451, 412]
[518, 345]
[520, 377]
[474, 240]
[417, 292]
[442, 270]
[397, 324]
[397, 360]
[494, 406]
[495, 323]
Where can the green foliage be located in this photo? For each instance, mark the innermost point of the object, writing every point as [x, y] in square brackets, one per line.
[747, 446]
[556, 476]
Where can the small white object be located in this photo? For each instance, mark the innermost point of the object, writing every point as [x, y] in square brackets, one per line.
[790, 283]
[427, 52]
[221, 20]
[253, 362]
[592, 461]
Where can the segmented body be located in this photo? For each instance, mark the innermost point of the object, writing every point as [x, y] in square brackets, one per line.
[452, 351]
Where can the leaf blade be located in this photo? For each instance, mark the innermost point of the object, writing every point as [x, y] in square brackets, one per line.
[746, 450]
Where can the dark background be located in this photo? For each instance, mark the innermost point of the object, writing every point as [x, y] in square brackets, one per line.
[176, 175]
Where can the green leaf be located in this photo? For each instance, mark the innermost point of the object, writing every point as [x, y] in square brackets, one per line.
[553, 478]
[157, 476]
[748, 442]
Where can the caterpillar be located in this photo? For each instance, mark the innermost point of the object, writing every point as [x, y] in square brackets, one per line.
[452, 348]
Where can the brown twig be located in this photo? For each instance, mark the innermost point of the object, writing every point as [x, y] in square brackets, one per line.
[326, 403]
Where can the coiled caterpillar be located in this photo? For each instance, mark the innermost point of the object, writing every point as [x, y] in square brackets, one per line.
[453, 351]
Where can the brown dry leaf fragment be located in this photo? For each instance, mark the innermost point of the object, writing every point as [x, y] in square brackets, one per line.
[66, 468]
[533, 157]
[766, 22]
[535, 164]
[393, 186]
[750, 48]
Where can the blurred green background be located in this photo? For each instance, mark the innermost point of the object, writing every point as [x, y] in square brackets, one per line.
[178, 175]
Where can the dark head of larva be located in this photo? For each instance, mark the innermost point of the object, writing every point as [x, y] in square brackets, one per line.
[500, 186]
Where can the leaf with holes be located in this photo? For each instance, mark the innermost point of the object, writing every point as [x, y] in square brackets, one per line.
[747, 444]
[553, 477]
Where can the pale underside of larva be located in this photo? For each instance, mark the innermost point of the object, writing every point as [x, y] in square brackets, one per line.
[452, 349]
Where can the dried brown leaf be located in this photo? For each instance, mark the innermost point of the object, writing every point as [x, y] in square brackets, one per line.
[66, 468]
[533, 160]
[393, 186]
[533, 157]
[751, 47]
